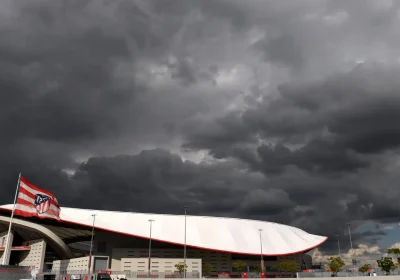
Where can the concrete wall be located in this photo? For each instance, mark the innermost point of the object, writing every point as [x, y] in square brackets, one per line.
[3, 241]
[219, 261]
[157, 265]
[35, 256]
[77, 264]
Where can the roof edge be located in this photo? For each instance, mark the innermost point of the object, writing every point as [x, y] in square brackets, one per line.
[182, 244]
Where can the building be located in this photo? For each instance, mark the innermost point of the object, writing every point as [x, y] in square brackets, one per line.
[121, 242]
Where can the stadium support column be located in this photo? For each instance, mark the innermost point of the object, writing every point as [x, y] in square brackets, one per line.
[149, 266]
[261, 252]
[184, 248]
[91, 244]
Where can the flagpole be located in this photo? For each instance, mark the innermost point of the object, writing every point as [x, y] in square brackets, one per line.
[8, 245]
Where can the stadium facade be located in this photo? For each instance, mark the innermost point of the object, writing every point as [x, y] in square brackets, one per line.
[121, 242]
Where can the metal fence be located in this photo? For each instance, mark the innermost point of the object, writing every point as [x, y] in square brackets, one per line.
[25, 273]
[320, 274]
[8, 272]
[61, 275]
[134, 274]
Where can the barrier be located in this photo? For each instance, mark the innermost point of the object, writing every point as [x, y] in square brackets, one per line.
[324, 274]
[25, 273]
[9, 272]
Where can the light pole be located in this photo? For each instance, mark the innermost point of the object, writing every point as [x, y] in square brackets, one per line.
[351, 242]
[91, 243]
[351, 246]
[261, 252]
[151, 223]
[338, 243]
[184, 248]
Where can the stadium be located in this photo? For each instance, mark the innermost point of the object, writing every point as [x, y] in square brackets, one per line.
[121, 242]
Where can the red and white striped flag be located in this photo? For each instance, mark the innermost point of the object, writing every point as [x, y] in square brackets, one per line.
[35, 202]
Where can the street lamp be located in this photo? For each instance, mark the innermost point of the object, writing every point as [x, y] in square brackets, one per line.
[261, 253]
[184, 248]
[351, 242]
[338, 243]
[151, 223]
[351, 246]
[91, 243]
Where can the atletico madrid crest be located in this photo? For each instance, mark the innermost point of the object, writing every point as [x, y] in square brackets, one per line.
[42, 203]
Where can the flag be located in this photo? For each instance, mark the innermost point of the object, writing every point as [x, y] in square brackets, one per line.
[35, 202]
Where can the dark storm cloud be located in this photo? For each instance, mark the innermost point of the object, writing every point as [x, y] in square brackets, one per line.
[295, 132]
[60, 84]
[346, 123]
[338, 122]
[163, 180]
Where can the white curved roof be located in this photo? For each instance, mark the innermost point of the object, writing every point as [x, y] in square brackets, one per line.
[213, 233]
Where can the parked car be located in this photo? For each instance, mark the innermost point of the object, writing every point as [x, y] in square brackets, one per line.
[103, 276]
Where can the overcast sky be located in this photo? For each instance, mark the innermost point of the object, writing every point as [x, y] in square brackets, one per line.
[283, 111]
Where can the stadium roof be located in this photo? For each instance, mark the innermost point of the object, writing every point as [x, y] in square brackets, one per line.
[238, 236]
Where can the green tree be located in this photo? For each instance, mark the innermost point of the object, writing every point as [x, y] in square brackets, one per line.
[207, 268]
[386, 264]
[335, 264]
[288, 266]
[180, 267]
[239, 265]
[256, 269]
[364, 268]
[396, 252]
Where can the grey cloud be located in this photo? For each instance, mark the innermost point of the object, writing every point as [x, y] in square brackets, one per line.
[345, 123]
[352, 119]
[373, 233]
[269, 201]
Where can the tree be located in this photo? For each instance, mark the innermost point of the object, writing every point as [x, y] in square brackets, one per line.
[335, 264]
[239, 265]
[207, 268]
[288, 266]
[256, 269]
[396, 252]
[364, 268]
[386, 264]
[180, 267]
